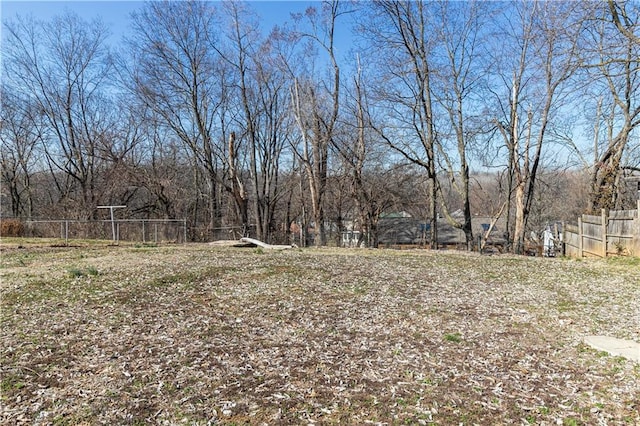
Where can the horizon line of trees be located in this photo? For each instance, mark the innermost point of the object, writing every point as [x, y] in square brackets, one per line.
[203, 115]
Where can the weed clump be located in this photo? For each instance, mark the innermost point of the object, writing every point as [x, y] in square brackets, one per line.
[11, 228]
[79, 272]
[453, 337]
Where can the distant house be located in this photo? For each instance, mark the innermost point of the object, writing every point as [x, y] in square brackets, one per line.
[402, 229]
[393, 228]
[350, 237]
[448, 235]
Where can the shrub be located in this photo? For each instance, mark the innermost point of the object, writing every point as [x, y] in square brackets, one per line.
[11, 228]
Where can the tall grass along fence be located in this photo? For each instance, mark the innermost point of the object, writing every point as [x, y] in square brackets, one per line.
[613, 233]
[143, 230]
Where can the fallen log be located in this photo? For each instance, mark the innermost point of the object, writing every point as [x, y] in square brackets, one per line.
[265, 245]
[230, 243]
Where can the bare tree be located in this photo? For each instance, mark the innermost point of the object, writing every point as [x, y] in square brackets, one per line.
[178, 74]
[20, 136]
[359, 149]
[355, 155]
[546, 42]
[156, 171]
[460, 34]
[263, 99]
[63, 66]
[401, 36]
[238, 189]
[275, 125]
[144, 160]
[316, 108]
[624, 19]
[613, 63]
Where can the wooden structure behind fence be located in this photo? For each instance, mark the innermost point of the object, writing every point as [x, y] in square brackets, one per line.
[614, 233]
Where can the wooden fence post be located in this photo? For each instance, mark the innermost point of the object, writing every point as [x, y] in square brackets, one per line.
[636, 236]
[580, 244]
[603, 219]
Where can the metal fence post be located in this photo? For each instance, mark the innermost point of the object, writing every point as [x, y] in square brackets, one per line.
[184, 228]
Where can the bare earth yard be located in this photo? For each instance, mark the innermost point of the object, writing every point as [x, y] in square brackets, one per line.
[196, 334]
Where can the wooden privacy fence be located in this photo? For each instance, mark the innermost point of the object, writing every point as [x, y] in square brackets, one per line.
[614, 233]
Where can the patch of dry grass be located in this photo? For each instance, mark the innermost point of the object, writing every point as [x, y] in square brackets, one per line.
[198, 334]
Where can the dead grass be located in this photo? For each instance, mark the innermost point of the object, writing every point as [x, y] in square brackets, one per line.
[196, 334]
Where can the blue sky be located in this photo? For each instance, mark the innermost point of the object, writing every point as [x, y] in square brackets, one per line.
[116, 13]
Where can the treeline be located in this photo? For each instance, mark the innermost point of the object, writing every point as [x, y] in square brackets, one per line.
[200, 113]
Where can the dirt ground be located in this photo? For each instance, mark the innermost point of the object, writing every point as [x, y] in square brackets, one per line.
[198, 334]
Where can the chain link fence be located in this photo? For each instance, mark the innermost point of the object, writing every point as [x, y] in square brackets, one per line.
[142, 230]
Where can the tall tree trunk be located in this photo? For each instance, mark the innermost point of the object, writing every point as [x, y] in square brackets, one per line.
[237, 187]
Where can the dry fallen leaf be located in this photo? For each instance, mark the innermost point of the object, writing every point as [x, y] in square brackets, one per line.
[199, 334]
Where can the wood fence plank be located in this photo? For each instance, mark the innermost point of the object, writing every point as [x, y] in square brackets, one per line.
[589, 218]
[616, 232]
[603, 232]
